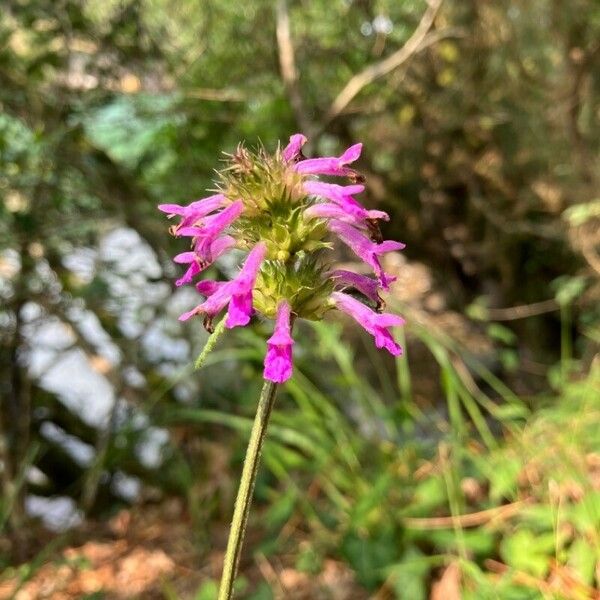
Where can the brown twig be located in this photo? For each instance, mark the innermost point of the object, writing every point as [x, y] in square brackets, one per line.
[413, 45]
[270, 574]
[469, 520]
[216, 95]
[287, 64]
[522, 311]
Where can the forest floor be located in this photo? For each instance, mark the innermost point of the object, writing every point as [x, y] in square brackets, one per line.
[151, 552]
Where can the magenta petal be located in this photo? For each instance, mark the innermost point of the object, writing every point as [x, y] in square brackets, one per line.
[189, 275]
[217, 301]
[207, 235]
[389, 246]
[224, 219]
[292, 150]
[342, 196]
[282, 334]
[365, 249]
[221, 245]
[194, 211]
[386, 280]
[201, 208]
[389, 320]
[199, 263]
[188, 315]
[219, 294]
[330, 165]
[206, 205]
[253, 261]
[278, 364]
[240, 289]
[172, 209]
[352, 216]
[365, 285]
[185, 257]
[208, 287]
[325, 211]
[353, 209]
[378, 214]
[384, 339]
[332, 191]
[348, 211]
[376, 324]
[352, 154]
[240, 310]
[193, 231]
[215, 224]
[278, 360]
[209, 249]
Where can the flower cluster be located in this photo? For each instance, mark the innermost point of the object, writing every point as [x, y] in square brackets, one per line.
[279, 209]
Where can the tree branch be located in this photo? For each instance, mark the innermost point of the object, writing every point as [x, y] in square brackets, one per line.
[413, 45]
[287, 64]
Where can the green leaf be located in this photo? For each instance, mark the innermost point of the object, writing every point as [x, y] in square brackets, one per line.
[207, 591]
[410, 575]
[568, 288]
[369, 553]
[263, 592]
[585, 515]
[582, 559]
[502, 334]
[528, 551]
[581, 213]
[281, 509]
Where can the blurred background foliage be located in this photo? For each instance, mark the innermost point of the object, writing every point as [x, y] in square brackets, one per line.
[469, 468]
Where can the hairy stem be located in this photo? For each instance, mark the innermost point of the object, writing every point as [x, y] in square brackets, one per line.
[244, 496]
[210, 344]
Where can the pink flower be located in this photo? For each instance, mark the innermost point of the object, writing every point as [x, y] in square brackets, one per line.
[352, 211]
[332, 191]
[205, 236]
[288, 216]
[329, 210]
[293, 149]
[194, 211]
[365, 249]
[376, 324]
[197, 265]
[207, 287]
[367, 286]
[278, 360]
[237, 292]
[331, 165]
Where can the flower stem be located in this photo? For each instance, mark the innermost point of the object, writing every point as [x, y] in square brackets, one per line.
[210, 344]
[244, 496]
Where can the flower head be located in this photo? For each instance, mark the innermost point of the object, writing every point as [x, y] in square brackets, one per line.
[275, 207]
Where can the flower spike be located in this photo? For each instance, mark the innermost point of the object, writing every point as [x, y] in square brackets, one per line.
[275, 207]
